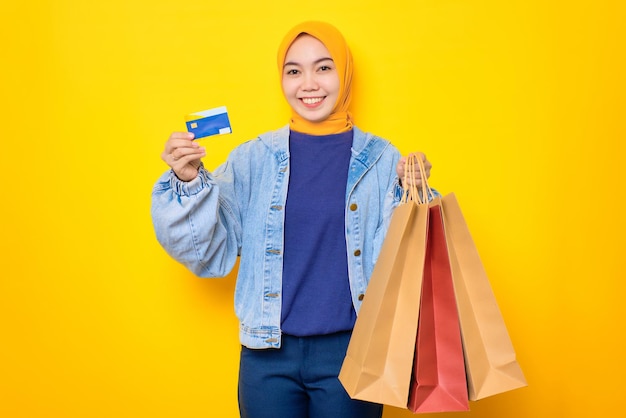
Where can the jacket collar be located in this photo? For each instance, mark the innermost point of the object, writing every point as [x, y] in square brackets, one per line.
[366, 148]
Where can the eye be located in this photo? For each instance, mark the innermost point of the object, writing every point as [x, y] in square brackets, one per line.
[292, 71]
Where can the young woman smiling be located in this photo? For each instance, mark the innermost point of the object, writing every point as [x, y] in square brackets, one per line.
[306, 209]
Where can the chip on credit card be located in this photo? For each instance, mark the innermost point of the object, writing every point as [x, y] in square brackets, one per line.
[208, 122]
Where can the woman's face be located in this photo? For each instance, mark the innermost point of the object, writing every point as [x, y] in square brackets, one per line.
[310, 79]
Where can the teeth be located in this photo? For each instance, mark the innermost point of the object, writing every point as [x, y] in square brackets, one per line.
[311, 100]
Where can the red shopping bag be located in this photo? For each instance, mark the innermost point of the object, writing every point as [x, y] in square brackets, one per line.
[438, 381]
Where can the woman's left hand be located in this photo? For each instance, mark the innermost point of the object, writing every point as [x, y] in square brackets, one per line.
[417, 178]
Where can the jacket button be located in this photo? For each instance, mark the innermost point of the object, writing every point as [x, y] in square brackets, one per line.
[357, 253]
[353, 207]
[361, 296]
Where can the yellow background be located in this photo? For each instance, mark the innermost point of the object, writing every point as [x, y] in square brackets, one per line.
[519, 105]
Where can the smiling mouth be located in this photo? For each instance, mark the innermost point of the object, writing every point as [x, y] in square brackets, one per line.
[311, 100]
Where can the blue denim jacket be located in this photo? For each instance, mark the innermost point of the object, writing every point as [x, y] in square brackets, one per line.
[238, 211]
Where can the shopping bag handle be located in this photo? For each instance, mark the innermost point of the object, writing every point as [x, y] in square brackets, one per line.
[411, 191]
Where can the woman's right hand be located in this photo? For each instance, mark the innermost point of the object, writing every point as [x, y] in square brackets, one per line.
[183, 155]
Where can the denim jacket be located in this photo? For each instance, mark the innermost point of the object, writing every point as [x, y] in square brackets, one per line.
[237, 211]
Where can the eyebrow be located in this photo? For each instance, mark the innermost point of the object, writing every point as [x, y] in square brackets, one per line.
[315, 62]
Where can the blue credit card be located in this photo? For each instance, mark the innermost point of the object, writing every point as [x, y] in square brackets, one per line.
[208, 122]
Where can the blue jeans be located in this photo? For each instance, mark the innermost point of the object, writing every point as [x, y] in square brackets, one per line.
[299, 380]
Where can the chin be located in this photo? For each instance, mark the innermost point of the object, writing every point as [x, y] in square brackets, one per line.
[314, 119]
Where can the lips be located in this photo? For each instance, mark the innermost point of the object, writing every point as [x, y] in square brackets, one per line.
[311, 101]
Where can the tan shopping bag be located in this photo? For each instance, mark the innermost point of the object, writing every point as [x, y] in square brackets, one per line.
[490, 359]
[379, 358]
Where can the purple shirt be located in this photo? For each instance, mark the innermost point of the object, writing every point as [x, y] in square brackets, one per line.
[316, 296]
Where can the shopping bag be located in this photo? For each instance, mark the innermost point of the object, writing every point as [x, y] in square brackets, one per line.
[438, 382]
[378, 362]
[490, 359]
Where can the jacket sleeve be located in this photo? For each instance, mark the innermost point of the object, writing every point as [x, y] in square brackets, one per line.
[198, 222]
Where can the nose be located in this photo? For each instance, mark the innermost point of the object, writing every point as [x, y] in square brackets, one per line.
[309, 82]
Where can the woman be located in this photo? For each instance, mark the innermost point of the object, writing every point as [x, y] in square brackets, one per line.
[306, 208]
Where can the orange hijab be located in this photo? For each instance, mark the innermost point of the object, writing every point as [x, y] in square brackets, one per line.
[340, 119]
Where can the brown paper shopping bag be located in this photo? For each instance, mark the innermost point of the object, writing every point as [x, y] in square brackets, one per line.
[489, 355]
[438, 382]
[379, 358]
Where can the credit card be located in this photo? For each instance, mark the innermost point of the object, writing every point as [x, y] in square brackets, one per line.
[208, 122]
